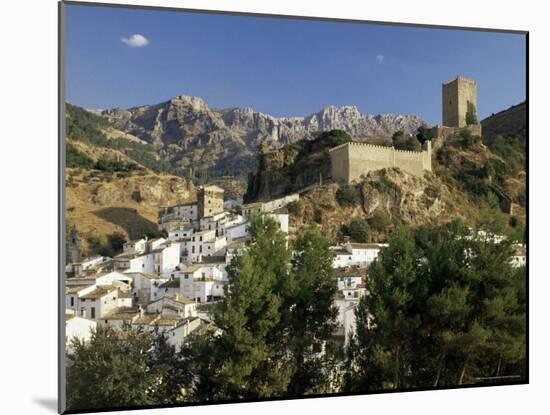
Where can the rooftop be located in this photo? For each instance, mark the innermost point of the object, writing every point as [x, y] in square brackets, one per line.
[356, 245]
[180, 298]
[99, 291]
[171, 284]
[121, 313]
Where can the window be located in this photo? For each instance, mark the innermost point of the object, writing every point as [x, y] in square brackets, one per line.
[142, 265]
[72, 301]
[200, 248]
[92, 314]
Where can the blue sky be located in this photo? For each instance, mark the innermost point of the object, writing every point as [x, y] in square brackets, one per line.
[282, 67]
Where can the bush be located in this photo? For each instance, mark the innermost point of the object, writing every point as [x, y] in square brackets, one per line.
[358, 230]
[94, 241]
[380, 221]
[402, 141]
[293, 207]
[471, 115]
[347, 196]
[75, 158]
[424, 134]
[468, 139]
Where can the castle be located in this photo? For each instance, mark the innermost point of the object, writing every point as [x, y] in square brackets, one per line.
[352, 160]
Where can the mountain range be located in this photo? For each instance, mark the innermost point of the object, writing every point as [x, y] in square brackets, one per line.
[188, 133]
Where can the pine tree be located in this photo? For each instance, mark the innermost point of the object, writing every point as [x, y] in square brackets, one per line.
[445, 307]
[311, 313]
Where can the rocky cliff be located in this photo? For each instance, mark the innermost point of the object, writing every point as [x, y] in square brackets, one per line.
[188, 133]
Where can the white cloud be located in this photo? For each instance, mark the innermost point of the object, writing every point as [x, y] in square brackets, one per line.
[379, 58]
[135, 41]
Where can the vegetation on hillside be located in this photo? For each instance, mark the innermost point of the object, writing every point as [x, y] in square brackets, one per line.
[87, 127]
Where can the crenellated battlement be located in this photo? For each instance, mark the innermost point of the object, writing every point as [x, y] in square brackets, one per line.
[350, 161]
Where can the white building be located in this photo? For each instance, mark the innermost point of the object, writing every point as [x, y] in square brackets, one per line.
[519, 259]
[136, 246]
[355, 254]
[173, 306]
[203, 282]
[79, 268]
[145, 286]
[95, 301]
[78, 327]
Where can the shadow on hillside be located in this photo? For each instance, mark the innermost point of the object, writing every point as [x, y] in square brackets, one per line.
[130, 220]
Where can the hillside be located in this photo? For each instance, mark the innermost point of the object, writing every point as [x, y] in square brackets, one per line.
[471, 180]
[512, 121]
[115, 182]
[384, 199]
[102, 203]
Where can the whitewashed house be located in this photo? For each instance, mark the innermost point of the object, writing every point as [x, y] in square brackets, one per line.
[136, 246]
[177, 334]
[78, 327]
[202, 282]
[355, 254]
[95, 301]
[173, 305]
[145, 286]
[79, 268]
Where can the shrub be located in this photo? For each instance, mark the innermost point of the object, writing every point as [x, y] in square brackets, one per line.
[293, 207]
[402, 141]
[379, 221]
[468, 139]
[471, 115]
[347, 196]
[358, 230]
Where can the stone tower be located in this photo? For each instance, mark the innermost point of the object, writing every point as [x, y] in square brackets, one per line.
[73, 253]
[459, 97]
[209, 200]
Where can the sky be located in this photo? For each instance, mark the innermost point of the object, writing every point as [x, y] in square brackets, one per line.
[283, 67]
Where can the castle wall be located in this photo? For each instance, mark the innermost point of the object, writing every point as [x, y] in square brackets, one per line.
[352, 160]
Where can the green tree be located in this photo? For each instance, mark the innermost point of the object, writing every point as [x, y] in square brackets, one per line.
[445, 307]
[347, 196]
[242, 363]
[358, 230]
[402, 141]
[273, 321]
[111, 370]
[424, 134]
[308, 311]
[471, 113]
[386, 319]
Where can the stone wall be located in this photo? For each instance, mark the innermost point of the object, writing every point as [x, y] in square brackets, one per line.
[443, 134]
[350, 161]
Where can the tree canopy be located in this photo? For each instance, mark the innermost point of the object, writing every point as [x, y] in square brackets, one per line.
[445, 307]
